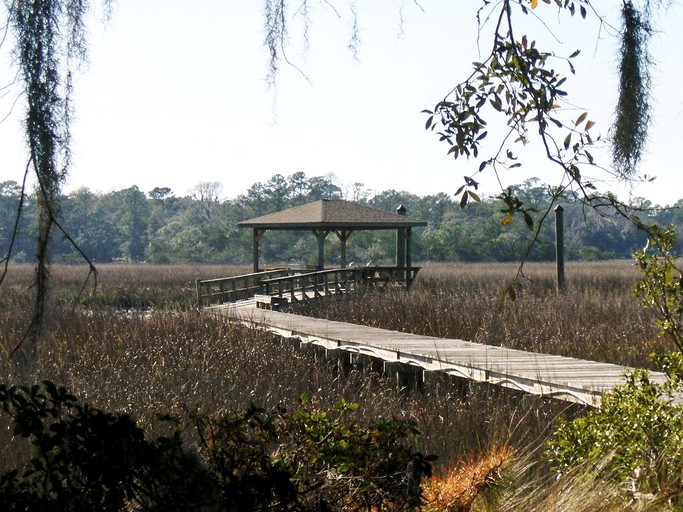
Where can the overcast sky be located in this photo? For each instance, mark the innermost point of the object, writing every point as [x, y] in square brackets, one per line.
[175, 93]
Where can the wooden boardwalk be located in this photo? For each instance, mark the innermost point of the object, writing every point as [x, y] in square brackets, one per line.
[565, 378]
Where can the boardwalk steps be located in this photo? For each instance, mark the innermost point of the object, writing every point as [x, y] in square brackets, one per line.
[570, 379]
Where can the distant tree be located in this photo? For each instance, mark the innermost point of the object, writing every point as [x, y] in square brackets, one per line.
[160, 193]
[358, 193]
[389, 200]
[14, 229]
[298, 186]
[256, 200]
[92, 228]
[207, 195]
[277, 191]
[134, 223]
[159, 198]
[323, 187]
[433, 208]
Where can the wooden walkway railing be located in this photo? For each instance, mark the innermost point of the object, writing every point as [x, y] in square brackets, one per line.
[565, 378]
[212, 292]
[295, 286]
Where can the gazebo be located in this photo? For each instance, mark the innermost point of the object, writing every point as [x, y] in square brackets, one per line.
[340, 217]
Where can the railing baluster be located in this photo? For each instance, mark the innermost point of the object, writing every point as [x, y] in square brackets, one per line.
[283, 282]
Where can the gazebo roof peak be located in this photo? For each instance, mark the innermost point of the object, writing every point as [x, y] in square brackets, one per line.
[332, 214]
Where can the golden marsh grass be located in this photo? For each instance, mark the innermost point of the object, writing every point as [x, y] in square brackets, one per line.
[139, 345]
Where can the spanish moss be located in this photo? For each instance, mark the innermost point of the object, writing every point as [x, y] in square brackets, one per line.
[49, 41]
[632, 116]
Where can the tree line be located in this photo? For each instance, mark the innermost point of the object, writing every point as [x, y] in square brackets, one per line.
[160, 227]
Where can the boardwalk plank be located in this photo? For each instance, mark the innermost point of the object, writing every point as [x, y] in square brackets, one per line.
[566, 378]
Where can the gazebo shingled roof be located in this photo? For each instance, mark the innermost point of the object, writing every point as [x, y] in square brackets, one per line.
[332, 214]
[338, 216]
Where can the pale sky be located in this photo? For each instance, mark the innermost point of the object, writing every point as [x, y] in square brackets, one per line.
[175, 93]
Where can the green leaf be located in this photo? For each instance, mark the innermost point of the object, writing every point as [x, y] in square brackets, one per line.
[567, 141]
[463, 200]
[528, 220]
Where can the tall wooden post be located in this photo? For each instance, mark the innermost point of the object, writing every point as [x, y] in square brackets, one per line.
[321, 235]
[343, 236]
[258, 233]
[401, 242]
[559, 246]
[409, 257]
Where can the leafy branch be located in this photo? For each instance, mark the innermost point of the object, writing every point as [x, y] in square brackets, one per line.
[661, 286]
[519, 82]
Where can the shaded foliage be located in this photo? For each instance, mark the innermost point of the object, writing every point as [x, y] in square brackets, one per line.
[88, 459]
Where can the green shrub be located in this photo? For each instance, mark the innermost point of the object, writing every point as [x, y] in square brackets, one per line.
[660, 288]
[308, 458]
[86, 459]
[638, 431]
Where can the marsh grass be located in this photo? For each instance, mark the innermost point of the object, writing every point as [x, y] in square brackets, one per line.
[596, 318]
[139, 345]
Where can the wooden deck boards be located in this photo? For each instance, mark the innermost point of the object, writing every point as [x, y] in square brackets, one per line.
[566, 378]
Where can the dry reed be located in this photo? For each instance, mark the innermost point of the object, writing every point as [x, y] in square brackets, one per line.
[138, 345]
[596, 318]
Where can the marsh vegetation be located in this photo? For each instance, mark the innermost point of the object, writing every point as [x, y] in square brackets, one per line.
[138, 345]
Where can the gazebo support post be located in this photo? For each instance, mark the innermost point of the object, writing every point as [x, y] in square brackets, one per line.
[321, 234]
[258, 233]
[343, 236]
[401, 245]
[409, 258]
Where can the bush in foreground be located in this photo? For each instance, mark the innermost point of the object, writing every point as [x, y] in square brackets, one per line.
[88, 459]
[637, 432]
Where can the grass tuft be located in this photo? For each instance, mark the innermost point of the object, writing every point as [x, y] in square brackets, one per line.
[456, 490]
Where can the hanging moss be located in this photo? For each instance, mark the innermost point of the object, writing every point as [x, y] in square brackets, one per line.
[50, 41]
[632, 116]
